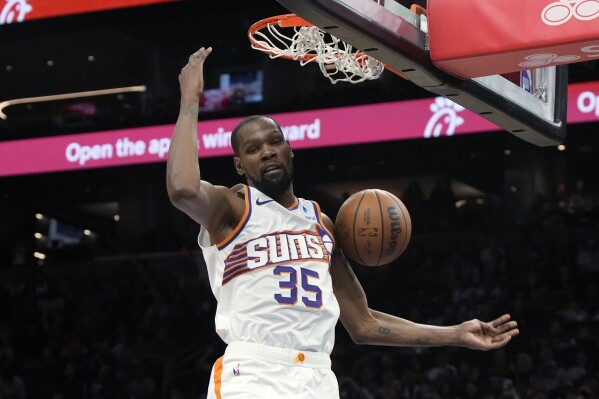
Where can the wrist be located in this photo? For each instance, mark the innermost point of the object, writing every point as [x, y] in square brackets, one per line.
[189, 107]
[458, 336]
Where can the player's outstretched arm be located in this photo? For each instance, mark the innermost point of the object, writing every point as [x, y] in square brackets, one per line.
[203, 202]
[368, 326]
[472, 334]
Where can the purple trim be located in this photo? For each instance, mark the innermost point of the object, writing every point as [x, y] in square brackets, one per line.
[248, 201]
[297, 203]
[317, 212]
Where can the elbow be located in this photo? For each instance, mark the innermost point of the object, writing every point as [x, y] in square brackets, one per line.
[179, 194]
[181, 185]
[359, 339]
[358, 335]
[362, 328]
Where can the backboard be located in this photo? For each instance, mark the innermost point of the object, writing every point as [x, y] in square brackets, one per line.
[398, 37]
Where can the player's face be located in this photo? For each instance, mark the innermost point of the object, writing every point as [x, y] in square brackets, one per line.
[265, 157]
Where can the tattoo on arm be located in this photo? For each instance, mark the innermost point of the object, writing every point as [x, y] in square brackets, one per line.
[384, 331]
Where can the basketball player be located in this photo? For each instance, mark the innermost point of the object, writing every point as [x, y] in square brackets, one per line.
[279, 282]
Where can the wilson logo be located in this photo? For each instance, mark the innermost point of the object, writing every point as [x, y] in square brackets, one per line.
[394, 216]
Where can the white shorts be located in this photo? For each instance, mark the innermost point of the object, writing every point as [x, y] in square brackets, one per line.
[255, 371]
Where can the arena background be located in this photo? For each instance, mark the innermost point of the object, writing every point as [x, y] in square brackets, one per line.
[121, 308]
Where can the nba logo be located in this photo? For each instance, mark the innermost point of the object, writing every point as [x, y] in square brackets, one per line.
[368, 231]
[307, 213]
[236, 370]
[526, 81]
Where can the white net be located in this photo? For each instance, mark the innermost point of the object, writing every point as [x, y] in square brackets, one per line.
[338, 61]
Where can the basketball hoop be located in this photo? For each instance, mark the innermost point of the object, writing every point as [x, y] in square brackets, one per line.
[306, 43]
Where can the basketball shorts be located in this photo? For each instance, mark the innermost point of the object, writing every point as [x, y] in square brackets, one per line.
[253, 371]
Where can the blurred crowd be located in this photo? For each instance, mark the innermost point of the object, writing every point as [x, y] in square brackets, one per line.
[141, 326]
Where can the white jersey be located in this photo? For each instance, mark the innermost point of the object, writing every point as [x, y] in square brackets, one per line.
[271, 276]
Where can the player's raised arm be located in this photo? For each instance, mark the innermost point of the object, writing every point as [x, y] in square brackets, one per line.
[203, 202]
[368, 326]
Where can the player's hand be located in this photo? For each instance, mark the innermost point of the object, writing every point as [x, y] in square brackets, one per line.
[191, 78]
[475, 334]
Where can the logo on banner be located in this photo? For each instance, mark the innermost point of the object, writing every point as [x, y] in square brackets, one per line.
[14, 11]
[537, 60]
[560, 12]
[445, 118]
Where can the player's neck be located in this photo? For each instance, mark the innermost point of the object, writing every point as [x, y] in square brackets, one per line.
[286, 198]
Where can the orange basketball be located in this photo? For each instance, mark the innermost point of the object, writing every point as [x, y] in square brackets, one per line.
[373, 227]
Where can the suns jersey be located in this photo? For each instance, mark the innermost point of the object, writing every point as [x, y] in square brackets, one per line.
[271, 276]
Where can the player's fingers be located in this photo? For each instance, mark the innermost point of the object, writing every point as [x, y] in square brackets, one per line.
[196, 55]
[507, 327]
[204, 53]
[500, 320]
[510, 333]
[501, 337]
[487, 328]
[498, 343]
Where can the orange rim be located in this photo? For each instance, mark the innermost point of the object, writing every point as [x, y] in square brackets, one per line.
[282, 21]
[292, 21]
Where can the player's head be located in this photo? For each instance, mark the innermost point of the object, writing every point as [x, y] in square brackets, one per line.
[263, 155]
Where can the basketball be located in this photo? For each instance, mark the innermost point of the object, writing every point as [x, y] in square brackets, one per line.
[373, 227]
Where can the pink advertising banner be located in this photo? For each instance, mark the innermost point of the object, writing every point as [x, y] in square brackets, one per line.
[583, 102]
[425, 118]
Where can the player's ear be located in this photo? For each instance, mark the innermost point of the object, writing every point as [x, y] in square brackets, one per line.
[290, 150]
[238, 167]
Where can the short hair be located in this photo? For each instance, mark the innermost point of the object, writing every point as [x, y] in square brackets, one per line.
[249, 119]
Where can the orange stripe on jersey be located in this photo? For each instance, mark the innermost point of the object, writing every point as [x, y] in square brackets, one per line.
[319, 216]
[242, 222]
[236, 263]
[234, 270]
[218, 373]
[239, 249]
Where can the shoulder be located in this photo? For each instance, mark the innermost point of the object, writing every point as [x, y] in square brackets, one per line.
[233, 193]
[228, 208]
[230, 201]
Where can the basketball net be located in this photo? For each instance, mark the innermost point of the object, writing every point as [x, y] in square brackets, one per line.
[307, 43]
